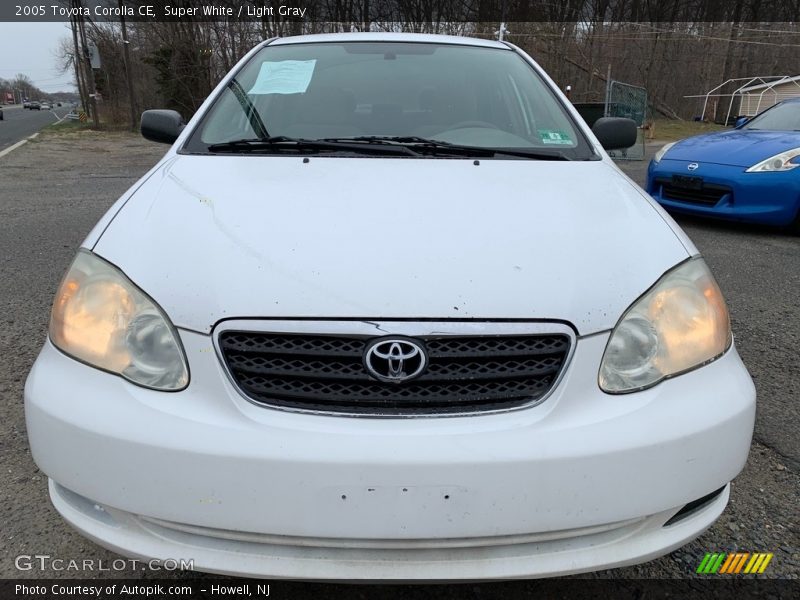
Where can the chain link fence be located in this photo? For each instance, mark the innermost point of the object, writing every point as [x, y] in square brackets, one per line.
[629, 101]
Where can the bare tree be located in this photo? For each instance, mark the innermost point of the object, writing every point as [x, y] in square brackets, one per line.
[673, 49]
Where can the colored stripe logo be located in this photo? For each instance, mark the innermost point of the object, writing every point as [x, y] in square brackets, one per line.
[734, 563]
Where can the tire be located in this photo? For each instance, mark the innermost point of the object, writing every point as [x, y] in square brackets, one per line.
[795, 226]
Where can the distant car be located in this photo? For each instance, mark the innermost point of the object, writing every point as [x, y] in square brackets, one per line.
[35, 106]
[747, 174]
[26, 104]
[46, 106]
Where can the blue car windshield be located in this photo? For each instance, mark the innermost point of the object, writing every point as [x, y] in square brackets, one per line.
[782, 117]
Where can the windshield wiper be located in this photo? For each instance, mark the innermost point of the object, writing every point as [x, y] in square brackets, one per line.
[249, 109]
[432, 146]
[282, 143]
[374, 144]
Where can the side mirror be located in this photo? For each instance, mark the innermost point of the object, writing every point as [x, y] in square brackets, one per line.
[615, 133]
[740, 121]
[162, 125]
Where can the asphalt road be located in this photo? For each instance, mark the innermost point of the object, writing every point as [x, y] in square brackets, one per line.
[18, 123]
[43, 219]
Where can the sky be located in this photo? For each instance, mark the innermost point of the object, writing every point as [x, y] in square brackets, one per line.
[31, 48]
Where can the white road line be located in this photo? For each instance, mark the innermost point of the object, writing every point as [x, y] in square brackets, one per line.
[17, 145]
[12, 148]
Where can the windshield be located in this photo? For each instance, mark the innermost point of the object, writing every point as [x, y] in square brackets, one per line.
[465, 95]
[781, 117]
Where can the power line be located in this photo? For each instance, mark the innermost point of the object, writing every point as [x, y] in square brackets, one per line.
[627, 36]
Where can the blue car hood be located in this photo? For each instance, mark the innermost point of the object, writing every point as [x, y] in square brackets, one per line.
[738, 147]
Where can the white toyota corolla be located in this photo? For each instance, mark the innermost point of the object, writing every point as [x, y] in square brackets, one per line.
[386, 310]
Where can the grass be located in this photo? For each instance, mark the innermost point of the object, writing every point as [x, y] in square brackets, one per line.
[70, 126]
[673, 130]
[66, 126]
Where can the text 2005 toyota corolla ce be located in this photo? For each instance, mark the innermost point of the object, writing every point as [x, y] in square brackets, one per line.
[386, 310]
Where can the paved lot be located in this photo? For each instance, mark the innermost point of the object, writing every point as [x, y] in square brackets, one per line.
[54, 189]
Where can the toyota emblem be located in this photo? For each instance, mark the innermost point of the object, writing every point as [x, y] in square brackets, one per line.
[395, 360]
[692, 166]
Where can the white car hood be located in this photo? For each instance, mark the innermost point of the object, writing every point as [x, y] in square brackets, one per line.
[217, 237]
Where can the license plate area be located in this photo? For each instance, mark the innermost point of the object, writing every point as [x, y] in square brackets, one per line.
[687, 182]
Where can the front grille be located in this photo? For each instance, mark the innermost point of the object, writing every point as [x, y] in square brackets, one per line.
[327, 373]
[708, 195]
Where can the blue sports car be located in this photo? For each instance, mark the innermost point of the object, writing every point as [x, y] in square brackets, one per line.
[750, 173]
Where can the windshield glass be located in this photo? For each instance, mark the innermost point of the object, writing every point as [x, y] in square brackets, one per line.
[782, 117]
[465, 95]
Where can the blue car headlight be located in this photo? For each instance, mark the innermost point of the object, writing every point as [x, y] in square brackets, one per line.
[662, 151]
[785, 161]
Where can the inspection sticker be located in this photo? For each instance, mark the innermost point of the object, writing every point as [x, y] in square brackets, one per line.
[284, 77]
[548, 136]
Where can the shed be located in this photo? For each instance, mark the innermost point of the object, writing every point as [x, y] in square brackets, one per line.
[757, 98]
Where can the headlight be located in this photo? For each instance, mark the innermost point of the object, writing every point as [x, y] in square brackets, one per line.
[101, 318]
[681, 323]
[785, 161]
[664, 149]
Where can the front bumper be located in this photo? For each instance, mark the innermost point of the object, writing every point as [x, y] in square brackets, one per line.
[582, 481]
[764, 198]
[500, 557]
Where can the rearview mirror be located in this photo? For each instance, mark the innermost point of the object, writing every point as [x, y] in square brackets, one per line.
[162, 126]
[615, 133]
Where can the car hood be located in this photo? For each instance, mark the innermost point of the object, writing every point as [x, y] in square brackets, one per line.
[738, 147]
[217, 237]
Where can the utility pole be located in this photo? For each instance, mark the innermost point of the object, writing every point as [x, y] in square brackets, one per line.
[76, 61]
[128, 74]
[88, 63]
[501, 33]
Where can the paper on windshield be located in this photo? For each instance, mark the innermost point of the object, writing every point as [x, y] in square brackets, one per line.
[284, 77]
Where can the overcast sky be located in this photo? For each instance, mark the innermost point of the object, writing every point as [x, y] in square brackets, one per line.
[31, 48]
